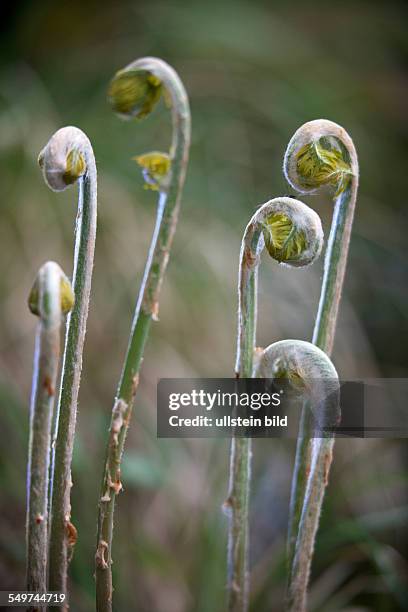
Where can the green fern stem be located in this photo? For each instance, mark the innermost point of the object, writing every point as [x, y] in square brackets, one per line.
[336, 165]
[50, 298]
[292, 234]
[66, 159]
[141, 79]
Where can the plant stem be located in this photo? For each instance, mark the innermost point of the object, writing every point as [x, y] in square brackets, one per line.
[305, 222]
[146, 311]
[335, 267]
[46, 363]
[323, 337]
[63, 532]
[321, 454]
[319, 388]
[237, 503]
[299, 481]
[325, 327]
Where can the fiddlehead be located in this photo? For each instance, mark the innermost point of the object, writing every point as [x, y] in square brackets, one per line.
[311, 373]
[50, 297]
[133, 93]
[66, 159]
[292, 234]
[322, 153]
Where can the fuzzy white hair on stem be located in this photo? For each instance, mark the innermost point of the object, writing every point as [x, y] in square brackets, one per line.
[292, 234]
[67, 159]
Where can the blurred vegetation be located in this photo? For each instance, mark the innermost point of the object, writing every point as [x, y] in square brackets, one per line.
[255, 71]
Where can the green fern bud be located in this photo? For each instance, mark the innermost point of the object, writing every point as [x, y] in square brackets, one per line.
[134, 93]
[319, 154]
[67, 298]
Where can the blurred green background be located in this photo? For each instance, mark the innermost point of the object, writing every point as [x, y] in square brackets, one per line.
[255, 71]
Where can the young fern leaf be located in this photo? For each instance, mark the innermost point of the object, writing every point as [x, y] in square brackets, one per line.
[337, 165]
[50, 297]
[320, 153]
[155, 168]
[66, 159]
[134, 92]
[306, 366]
[293, 235]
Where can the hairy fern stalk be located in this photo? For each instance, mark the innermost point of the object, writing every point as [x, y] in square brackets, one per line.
[50, 298]
[66, 159]
[320, 153]
[293, 236]
[134, 92]
[312, 375]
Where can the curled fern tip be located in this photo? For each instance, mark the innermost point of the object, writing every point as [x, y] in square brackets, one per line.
[155, 168]
[67, 297]
[134, 93]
